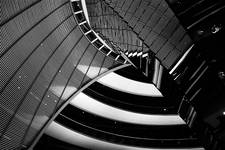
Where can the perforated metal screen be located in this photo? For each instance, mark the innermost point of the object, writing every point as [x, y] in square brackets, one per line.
[44, 59]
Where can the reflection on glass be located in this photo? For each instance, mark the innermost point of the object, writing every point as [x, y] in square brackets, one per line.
[92, 73]
[57, 90]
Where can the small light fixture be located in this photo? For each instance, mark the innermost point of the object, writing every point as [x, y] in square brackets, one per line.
[224, 113]
[216, 28]
[200, 32]
[221, 75]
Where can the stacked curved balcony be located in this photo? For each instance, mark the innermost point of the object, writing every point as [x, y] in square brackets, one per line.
[123, 133]
[87, 121]
[49, 54]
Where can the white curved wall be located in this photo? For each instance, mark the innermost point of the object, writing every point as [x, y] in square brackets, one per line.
[121, 83]
[93, 106]
[64, 134]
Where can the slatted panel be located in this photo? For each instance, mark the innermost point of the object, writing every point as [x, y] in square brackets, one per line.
[41, 49]
[155, 23]
[106, 22]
